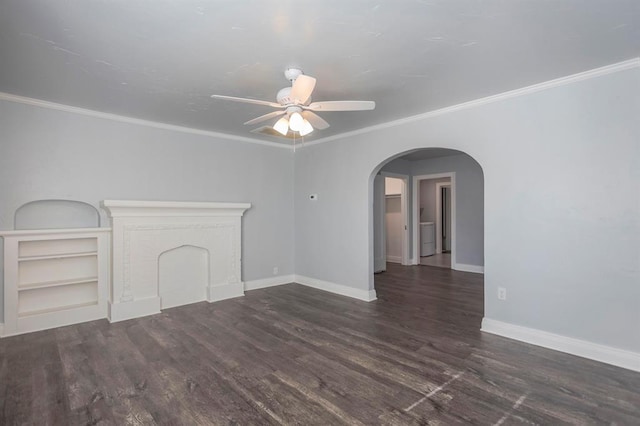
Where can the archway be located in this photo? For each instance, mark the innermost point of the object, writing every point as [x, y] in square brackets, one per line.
[465, 177]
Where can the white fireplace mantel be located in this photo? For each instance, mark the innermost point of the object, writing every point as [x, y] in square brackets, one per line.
[130, 208]
[144, 230]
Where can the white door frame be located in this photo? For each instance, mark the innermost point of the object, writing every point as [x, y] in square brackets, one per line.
[415, 260]
[404, 212]
[439, 187]
[379, 228]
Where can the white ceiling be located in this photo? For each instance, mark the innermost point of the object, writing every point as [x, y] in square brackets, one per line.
[161, 60]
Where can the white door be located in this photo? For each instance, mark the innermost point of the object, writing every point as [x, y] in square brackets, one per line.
[379, 243]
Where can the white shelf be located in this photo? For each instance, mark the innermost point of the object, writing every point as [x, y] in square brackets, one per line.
[57, 283]
[53, 232]
[56, 309]
[57, 256]
[54, 278]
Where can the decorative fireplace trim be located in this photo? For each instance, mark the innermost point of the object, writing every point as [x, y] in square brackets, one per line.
[143, 230]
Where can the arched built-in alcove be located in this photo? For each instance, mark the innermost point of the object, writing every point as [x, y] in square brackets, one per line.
[183, 276]
[56, 214]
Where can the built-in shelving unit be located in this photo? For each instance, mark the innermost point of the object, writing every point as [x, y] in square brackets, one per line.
[54, 277]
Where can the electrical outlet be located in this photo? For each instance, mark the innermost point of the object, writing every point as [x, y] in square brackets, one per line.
[502, 293]
[275, 270]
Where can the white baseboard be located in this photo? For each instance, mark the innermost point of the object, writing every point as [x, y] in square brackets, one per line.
[224, 292]
[268, 282]
[582, 348]
[122, 311]
[394, 259]
[468, 268]
[343, 290]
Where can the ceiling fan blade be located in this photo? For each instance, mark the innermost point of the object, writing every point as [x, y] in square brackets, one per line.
[247, 101]
[266, 117]
[302, 88]
[316, 121]
[341, 106]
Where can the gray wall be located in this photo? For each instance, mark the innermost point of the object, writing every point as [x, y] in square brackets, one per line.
[52, 154]
[562, 204]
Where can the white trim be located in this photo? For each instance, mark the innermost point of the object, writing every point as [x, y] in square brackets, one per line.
[216, 293]
[121, 311]
[29, 232]
[379, 226]
[562, 81]
[416, 214]
[597, 72]
[130, 120]
[438, 227]
[404, 211]
[585, 75]
[394, 259]
[269, 282]
[582, 348]
[134, 208]
[477, 269]
[343, 290]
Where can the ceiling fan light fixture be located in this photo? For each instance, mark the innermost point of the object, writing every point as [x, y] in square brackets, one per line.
[306, 128]
[282, 126]
[296, 114]
[296, 122]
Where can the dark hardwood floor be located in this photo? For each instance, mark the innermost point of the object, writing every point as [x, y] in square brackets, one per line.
[295, 355]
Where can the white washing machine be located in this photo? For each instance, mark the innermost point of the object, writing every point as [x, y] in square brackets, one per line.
[427, 239]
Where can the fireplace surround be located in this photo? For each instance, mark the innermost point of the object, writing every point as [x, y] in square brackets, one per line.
[145, 230]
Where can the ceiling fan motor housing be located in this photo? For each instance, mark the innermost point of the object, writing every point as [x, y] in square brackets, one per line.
[292, 73]
[283, 97]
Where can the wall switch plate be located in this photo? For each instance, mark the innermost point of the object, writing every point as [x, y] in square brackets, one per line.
[275, 270]
[502, 293]
[313, 197]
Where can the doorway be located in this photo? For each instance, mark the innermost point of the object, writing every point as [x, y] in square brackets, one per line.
[391, 220]
[394, 223]
[463, 208]
[434, 220]
[443, 217]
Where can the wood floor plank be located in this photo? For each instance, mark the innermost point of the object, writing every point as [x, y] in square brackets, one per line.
[296, 355]
[190, 377]
[164, 405]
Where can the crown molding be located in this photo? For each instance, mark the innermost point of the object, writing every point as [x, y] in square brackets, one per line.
[586, 75]
[130, 120]
[562, 81]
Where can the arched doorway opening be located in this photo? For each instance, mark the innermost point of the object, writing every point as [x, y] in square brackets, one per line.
[444, 223]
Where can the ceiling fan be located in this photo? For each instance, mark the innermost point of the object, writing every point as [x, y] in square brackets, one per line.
[296, 111]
